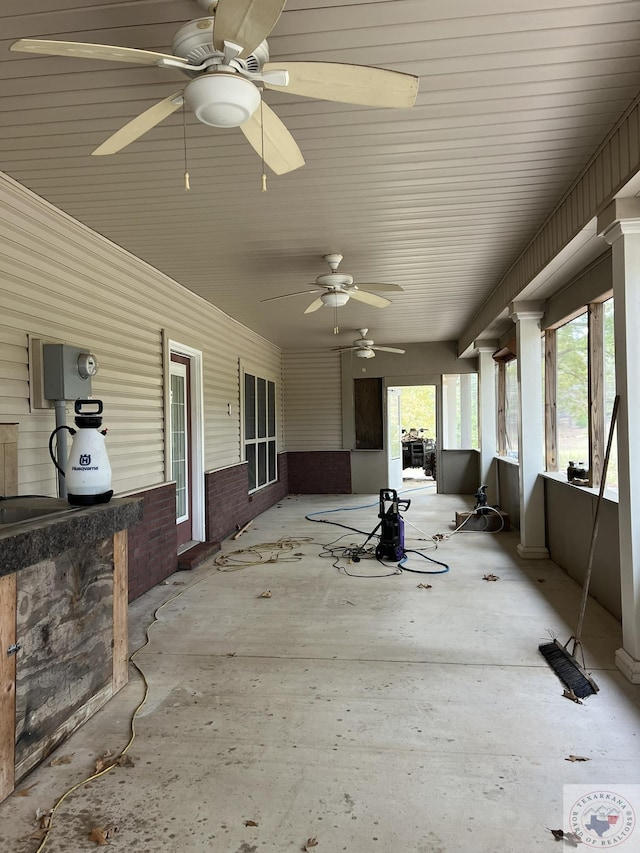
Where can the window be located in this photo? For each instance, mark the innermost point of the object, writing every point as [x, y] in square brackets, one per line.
[460, 411]
[511, 408]
[610, 392]
[580, 389]
[572, 400]
[260, 431]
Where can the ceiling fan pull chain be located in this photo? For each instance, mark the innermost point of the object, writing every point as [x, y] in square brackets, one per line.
[336, 330]
[187, 185]
[264, 171]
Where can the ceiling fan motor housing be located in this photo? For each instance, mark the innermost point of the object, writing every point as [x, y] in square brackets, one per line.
[194, 41]
[335, 280]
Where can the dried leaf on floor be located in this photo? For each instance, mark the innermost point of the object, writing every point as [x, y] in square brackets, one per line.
[105, 760]
[577, 758]
[36, 835]
[265, 594]
[425, 586]
[125, 760]
[569, 694]
[250, 823]
[346, 601]
[44, 818]
[97, 835]
[558, 834]
[231, 654]
[101, 835]
[24, 792]
[311, 842]
[61, 759]
[490, 577]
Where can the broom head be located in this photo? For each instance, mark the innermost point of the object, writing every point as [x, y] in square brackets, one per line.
[568, 670]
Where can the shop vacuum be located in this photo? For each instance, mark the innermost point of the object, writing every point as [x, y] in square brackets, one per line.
[88, 472]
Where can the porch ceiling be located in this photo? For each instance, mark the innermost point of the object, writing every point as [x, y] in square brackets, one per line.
[515, 97]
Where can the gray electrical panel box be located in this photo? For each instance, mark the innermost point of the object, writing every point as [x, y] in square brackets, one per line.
[67, 371]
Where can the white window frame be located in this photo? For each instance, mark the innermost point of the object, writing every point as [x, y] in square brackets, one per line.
[248, 369]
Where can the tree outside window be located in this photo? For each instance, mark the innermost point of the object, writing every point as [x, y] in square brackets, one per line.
[512, 408]
[610, 391]
[572, 406]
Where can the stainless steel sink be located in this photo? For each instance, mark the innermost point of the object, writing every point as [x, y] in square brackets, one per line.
[20, 510]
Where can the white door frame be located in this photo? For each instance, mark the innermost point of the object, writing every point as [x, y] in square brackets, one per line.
[197, 429]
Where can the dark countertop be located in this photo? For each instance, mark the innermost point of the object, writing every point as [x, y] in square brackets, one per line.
[29, 542]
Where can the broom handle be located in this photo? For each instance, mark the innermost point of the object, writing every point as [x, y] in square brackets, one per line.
[594, 532]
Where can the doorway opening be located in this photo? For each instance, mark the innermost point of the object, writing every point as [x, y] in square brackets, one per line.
[419, 440]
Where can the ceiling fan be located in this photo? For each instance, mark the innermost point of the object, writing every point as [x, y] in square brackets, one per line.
[338, 288]
[226, 57]
[365, 348]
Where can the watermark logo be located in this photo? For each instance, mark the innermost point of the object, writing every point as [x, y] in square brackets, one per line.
[603, 816]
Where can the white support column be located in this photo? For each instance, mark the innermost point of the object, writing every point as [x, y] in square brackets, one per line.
[620, 226]
[526, 316]
[487, 420]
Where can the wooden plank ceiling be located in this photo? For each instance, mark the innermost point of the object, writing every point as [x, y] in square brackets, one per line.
[515, 97]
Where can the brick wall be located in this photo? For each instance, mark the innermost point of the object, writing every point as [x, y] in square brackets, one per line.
[228, 504]
[153, 543]
[320, 472]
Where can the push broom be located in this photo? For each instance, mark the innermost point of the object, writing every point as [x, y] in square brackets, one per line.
[564, 663]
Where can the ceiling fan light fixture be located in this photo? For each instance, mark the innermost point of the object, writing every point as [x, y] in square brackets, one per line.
[365, 353]
[335, 299]
[222, 100]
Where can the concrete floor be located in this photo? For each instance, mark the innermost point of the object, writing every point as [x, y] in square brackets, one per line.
[367, 713]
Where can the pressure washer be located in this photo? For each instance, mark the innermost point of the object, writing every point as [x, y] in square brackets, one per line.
[391, 543]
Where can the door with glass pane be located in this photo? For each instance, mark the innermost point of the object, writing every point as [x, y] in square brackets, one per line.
[180, 429]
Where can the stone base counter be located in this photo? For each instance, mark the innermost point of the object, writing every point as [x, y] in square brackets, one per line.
[63, 622]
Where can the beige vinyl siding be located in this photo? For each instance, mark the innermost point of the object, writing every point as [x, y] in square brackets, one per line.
[312, 403]
[60, 281]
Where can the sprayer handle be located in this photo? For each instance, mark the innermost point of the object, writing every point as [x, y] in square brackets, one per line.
[77, 407]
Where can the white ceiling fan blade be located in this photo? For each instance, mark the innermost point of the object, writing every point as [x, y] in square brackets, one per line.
[374, 285]
[369, 298]
[84, 50]
[347, 84]
[140, 125]
[317, 303]
[287, 295]
[245, 22]
[388, 349]
[281, 152]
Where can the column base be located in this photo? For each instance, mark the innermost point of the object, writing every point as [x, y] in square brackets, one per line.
[532, 552]
[628, 666]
